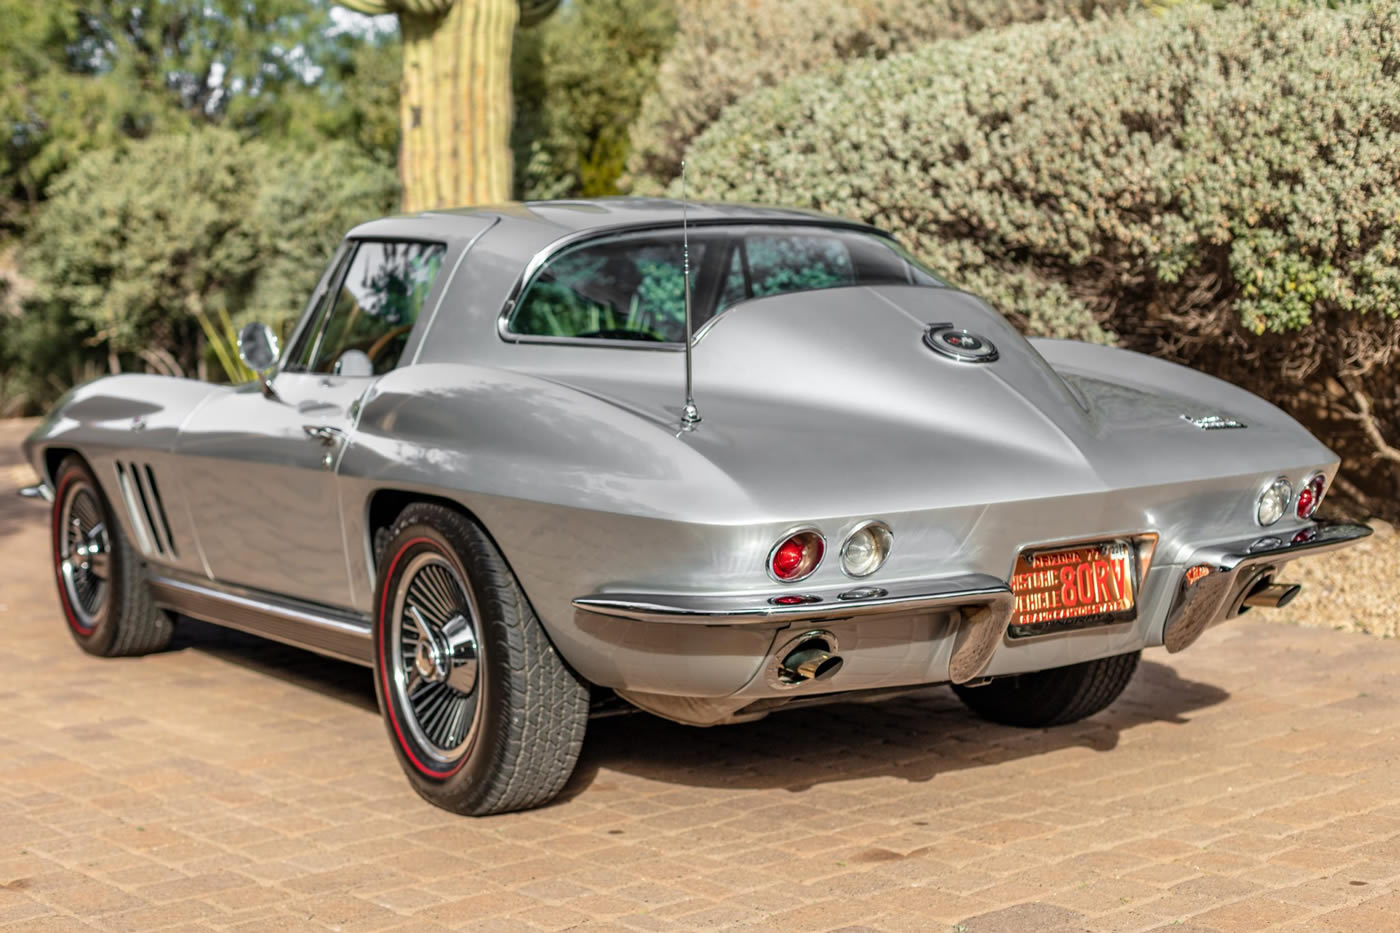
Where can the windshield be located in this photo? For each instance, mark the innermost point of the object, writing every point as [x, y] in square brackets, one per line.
[631, 286]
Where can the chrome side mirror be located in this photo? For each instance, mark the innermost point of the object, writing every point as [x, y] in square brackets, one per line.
[257, 347]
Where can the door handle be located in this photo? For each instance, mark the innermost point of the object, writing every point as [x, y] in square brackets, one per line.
[324, 433]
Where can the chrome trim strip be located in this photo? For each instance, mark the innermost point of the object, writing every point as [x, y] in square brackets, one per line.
[133, 511]
[1316, 538]
[974, 589]
[40, 491]
[542, 257]
[342, 635]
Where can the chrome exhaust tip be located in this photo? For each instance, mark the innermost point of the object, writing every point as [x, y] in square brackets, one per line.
[1270, 595]
[809, 657]
[814, 663]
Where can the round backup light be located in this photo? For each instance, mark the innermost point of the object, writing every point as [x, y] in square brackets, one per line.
[1310, 496]
[1273, 502]
[796, 556]
[866, 549]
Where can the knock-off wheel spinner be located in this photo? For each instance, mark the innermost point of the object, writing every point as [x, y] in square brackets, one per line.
[435, 655]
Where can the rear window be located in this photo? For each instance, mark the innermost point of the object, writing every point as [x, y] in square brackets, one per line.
[631, 287]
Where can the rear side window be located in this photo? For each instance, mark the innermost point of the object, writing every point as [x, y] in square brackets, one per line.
[797, 262]
[378, 301]
[631, 287]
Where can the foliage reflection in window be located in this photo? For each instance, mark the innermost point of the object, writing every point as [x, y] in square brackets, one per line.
[378, 303]
[625, 289]
[632, 287]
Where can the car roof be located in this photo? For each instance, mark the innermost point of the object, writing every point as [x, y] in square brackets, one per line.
[532, 225]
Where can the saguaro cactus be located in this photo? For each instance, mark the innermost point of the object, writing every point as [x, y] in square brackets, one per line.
[455, 106]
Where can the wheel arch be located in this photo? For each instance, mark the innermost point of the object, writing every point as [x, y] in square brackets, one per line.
[53, 457]
[385, 505]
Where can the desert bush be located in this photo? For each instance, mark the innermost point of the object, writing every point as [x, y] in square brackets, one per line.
[726, 48]
[1220, 188]
[149, 255]
[302, 211]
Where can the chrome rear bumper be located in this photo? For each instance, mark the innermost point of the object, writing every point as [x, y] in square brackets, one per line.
[819, 604]
[984, 602]
[1218, 578]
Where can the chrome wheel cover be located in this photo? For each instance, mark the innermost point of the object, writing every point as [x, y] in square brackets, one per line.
[436, 669]
[84, 553]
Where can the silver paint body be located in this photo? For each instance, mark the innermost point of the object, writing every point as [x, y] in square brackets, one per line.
[821, 409]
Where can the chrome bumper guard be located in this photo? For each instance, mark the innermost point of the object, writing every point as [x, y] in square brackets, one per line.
[39, 491]
[1219, 577]
[818, 604]
[984, 602]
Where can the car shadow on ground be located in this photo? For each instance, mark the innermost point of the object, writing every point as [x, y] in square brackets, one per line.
[915, 736]
[339, 680]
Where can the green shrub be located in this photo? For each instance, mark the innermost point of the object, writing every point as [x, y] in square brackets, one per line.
[302, 212]
[134, 242]
[1221, 188]
[727, 48]
[149, 255]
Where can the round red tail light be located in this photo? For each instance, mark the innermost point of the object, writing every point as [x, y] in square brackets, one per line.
[1310, 496]
[796, 556]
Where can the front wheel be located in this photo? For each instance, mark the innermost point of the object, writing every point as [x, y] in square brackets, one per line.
[484, 715]
[102, 584]
[1053, 697]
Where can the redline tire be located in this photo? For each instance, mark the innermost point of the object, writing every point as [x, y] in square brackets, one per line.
[529, 710]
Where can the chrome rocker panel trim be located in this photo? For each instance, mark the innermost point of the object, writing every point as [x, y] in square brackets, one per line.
[972, 589]
[342, 635]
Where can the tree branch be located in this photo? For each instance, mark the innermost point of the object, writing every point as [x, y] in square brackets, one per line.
[1364, 417]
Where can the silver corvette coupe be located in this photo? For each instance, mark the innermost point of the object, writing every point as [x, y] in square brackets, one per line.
[712, 460]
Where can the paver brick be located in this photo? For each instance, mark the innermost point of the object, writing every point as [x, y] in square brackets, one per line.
[1252, 782]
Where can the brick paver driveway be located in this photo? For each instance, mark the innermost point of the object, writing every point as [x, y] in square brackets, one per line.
[1250, 783]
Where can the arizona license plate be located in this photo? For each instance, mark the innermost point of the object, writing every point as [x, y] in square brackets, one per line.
[1077, 587]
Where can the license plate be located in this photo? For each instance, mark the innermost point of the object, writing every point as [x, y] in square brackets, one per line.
[1077, 587]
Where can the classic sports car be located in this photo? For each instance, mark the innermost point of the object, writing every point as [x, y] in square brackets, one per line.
[479, 469]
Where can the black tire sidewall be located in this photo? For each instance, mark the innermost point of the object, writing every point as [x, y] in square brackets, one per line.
[99, 638]
[455, 786]
[1055, 696]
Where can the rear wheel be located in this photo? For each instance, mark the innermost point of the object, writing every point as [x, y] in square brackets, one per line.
[483, 713]
[101, 579]
[1053, 697]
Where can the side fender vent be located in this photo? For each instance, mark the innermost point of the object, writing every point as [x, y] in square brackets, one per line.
[146, 509]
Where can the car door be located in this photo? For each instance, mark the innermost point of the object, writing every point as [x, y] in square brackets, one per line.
[259, 468]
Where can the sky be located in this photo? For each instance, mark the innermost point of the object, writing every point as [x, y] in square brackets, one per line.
[361, 24]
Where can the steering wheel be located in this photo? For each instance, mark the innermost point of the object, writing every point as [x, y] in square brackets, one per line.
[378, 346]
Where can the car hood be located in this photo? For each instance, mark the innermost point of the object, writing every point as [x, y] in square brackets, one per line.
[836, 393]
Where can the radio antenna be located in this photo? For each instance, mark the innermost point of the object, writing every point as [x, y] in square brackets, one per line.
[690, 415]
